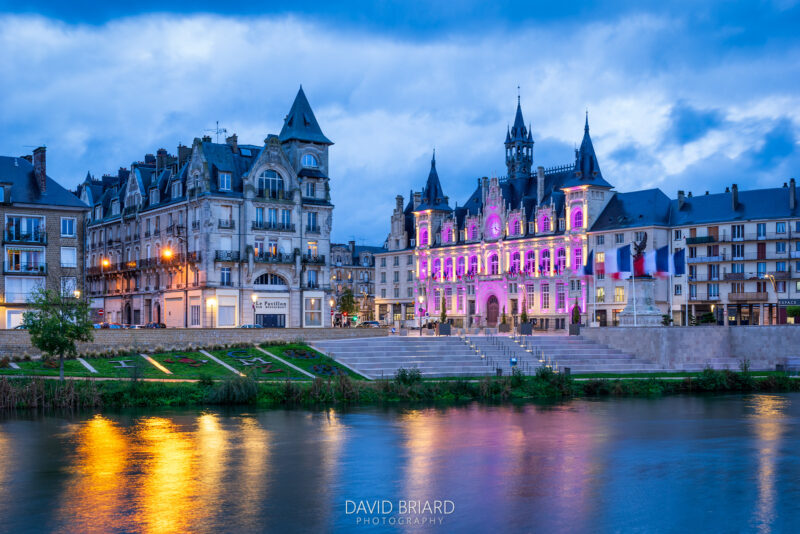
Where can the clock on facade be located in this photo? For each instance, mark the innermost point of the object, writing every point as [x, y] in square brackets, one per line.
[493, 226]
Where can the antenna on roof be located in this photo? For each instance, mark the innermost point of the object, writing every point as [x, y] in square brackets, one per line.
[217, 131]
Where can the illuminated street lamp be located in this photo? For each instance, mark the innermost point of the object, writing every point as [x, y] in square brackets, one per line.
[254, 298]
[421, 300]
[167, 253]
[76, 293]
[211, 303]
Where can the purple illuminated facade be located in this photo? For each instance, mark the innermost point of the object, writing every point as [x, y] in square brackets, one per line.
[519, 242]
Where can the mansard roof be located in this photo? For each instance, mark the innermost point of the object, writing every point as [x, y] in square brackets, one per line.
[19, 173]
[649, 207]
[301, 124]
[755, 204]
[433, 197]
[222, 158]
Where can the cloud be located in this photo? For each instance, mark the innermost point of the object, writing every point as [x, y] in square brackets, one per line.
[661, 114]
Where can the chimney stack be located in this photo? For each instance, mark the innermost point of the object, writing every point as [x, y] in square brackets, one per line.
[352, 245]
[539, 184]
[233, 142]
[681, 199]
[399, 203]
[792, 199]
[417, 199]
[161, 159]
[40, 168]
[734, 197]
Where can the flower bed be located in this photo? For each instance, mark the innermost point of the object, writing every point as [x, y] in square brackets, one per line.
[258, 365]
[312, 361]
[190, 365]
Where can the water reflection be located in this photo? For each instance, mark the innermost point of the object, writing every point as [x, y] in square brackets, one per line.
[767, 417]
[254, 469]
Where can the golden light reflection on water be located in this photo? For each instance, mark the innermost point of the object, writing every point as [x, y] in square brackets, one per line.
[768, 415]
[5, 452]
[94, 497]
[211, 447]
[166, 494]
[253, 488]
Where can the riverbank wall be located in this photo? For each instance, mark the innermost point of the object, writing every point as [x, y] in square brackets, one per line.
[672, 346]
[18, 343]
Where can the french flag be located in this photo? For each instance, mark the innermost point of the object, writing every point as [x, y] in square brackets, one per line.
[656, 262]
[588, 268]
[618, 263]
[678, 263]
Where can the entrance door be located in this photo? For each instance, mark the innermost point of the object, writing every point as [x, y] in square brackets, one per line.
[271, 320]
[492, 311]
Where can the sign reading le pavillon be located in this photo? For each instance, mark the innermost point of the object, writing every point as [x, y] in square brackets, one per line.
[272, 305]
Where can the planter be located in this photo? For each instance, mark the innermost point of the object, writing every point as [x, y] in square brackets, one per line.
[574, 329]
[525, 329]
[504, 328]
[444, 329]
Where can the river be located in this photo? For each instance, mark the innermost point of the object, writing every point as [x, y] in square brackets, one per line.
[674, 464]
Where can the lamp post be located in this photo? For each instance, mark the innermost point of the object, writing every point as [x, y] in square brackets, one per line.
[211, 303]
[254, 298]
[332, 302]
[419, 313]
[168, 255]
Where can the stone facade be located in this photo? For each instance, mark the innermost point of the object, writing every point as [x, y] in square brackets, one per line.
[353, 269]
[221, 235]
[395, 271]
[42, 235]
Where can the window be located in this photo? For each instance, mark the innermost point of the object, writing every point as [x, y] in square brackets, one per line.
[545, 291]
[737, 231]
[472, 233]
[311, 220]
[713, 291]
[270, 184]
[517, 227]
[312, 249]
[225, 276]
[692, 291]
[561, 296]
[530, 261]
[561, 224]
[115, 207]
[460, 266]
[780, 228]
[600, 240]
[761, 230]
[544, 223]
[311, 189]
[383, 293]
[531, 295]
[69, 284]
[544, 266]
[226, 315]
[678, 289]
[410, 309]
[780, 266]
[194, 314]
[780, 247]
[619, 294]
[309, 161]
[69, 257]
[448, 269]
[677, 235]
[737, 268]
[409, 276]
[224, 181]
[312, 278]
[561, 260]
[780, 286]
[176, 190]
[397, 292]
[600, 294]
[270, 279]
[797, 226]
[737, 251]
[20, 288]
[577, 256]
[515, 262]
[383, 261]
[437, 268]
[761, 269]
[409, 260]
[67, 227]
[396, 276]
[423, 236]
[383, 277]
[577, 218]
[639, 236]
[473, 265]
[494, 264]
[286, 218]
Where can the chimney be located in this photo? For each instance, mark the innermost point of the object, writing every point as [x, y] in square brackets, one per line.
[417, 199]
[689, 195]
[206, 138]
[399, 203]
[681, 199]
[40, 168]
[184, 153]
[352, 246]
[539, 184]
[792, 199]
[734, 197]
[233, 142]
[161, 159]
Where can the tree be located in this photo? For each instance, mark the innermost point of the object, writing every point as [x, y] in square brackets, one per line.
[576, 312]
[443, 316]
[56, 323]
[524, 317]
[347, 303]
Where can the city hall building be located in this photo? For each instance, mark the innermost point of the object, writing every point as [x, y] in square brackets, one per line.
[520, 242]
[219, 235]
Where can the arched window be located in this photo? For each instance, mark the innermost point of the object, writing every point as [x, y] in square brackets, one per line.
[448, 268]
[494, 264]
[577, 218]
[473, 231]
[544, 267]
[437, 268]
[544, 224]
[310, 161]
[423, 236]
[473, 265]
[460, 265]
[515, 259]
[423, 269]
[270, 184]
[561, 258]
[517, 228]
[530, 261]
[270, 279]
[577, 256]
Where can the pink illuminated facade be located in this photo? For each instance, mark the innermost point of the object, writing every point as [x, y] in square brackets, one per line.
[519, 242]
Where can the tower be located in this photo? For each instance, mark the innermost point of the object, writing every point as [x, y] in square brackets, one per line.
[519, 147]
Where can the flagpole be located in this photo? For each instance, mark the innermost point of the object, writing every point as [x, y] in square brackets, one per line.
[633, 283]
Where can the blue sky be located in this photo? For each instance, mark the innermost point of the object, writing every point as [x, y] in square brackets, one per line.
[681, 95]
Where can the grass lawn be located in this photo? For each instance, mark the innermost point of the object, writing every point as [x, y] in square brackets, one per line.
[35, 368]
[171, 360]
[256, 370]
[318, 360]
[106, 368]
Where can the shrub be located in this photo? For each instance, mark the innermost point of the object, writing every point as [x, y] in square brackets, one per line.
[407, 377]
[234, 390]
[5, 362]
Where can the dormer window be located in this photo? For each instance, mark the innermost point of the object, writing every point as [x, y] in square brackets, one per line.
[176, 190]
[98, 213]
[115, 207]
[225, 181]
[310, 161]
[153, 197]
[311, 189]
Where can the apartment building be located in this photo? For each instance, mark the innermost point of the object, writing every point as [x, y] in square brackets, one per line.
[220, 235]
[395, 270]
[42, 235]
[353, 269]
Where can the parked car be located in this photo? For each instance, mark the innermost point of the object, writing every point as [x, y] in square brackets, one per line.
[20, 327]
[370, 324]
[155, 325]
[113, 326]
[251, 326]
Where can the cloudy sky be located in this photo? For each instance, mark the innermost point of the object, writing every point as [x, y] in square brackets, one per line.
[690, 95]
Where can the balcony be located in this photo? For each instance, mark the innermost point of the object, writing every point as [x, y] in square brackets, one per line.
[779, 275]
[29, 238]
[156, 232]
[226, 224]
[273, 225]
[279, 257]
[703, 297]
[733, 276]
[317, 260]
[315, 285]
[147, 233]
[33, 268]
[748, 296]
[277, 196]
[708, 259]
[195, 225]
[226, 255]
[170, 229]
[312, 229]
[701, 240]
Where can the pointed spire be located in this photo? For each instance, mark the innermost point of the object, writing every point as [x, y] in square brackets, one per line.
[433, 196]
[586, 126]
[301, 124]
[585, 157]
[508, 134]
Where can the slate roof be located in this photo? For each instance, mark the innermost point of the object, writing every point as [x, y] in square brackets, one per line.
[433, 197]
[649, 207]
[755, 204]
[24, 189]
[587, 169]
[301, 124]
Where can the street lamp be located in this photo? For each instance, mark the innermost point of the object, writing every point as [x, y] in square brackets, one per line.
[254, 298]
[421, 299]
[211, 303]
[76, 293]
